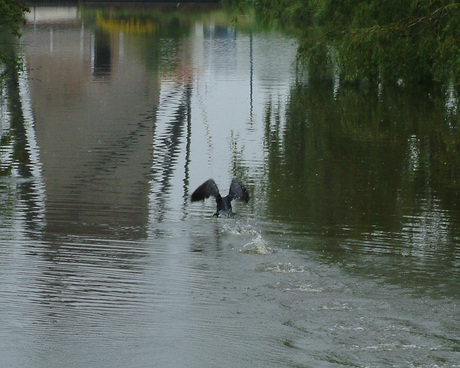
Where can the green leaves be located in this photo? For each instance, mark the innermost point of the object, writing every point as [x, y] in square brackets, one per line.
[12, 16]
[392, 41]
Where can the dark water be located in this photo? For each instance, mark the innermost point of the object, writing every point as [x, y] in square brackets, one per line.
[347, 255]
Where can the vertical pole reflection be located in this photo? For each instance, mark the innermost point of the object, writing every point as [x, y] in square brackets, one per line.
[188, 144]
[251, 76]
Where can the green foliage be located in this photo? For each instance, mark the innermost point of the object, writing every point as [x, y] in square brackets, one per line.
[11, 19]
[12, 16]
[392, 41]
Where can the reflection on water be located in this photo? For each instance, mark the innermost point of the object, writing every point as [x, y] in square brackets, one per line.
[347, 254]
[102, 54]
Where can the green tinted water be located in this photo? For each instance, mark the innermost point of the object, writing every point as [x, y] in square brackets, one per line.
[346, 255]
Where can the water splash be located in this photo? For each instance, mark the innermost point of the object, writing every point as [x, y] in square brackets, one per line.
[240, 228]
[257, 246]
[305, 288]
[281, 268]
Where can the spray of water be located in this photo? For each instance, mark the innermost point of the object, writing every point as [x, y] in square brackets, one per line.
[257, 245]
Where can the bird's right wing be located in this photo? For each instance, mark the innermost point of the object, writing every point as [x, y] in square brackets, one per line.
[205, 190]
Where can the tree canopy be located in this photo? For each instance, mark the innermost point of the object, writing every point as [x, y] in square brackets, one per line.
[411, 41]
[12, 15]
[11, 19]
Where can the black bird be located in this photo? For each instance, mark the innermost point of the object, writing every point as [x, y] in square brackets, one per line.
[224, 205]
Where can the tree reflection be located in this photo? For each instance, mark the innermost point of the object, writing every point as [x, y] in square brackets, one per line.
[15, 150]
[363, 160]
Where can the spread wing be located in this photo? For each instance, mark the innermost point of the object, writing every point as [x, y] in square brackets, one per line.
[208, 188]
[238, 191]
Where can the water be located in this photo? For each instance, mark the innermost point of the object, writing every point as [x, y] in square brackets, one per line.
[347, 254]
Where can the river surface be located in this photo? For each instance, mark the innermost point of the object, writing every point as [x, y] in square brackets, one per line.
[347, 254]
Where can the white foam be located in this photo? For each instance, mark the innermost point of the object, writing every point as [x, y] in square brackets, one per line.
[239, 228]
[257, 246]
[281, 268]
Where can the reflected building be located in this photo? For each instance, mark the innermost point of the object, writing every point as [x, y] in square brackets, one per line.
[95, 138]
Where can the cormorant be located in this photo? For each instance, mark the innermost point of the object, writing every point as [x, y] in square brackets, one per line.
[224, 205]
